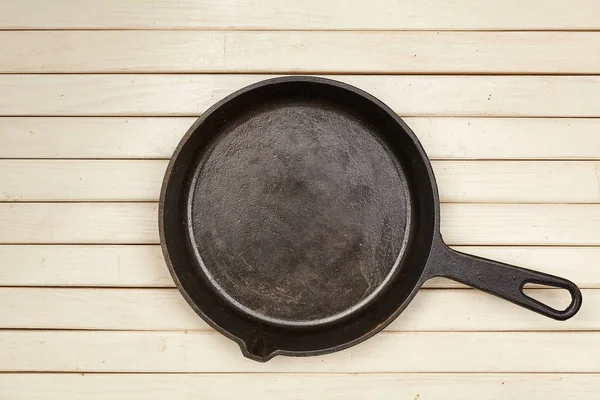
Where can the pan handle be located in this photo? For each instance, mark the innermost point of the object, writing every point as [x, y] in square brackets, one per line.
[503, 280]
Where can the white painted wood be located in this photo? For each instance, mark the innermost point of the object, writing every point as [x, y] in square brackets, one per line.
[508, 138]
[518, 181]
[143, 265]
[496, 349]
[520, 224]
[79, 223]
[81, 180]
[308, 14]
[51, 137]
[297, 387]
[103, 351]
[299, 52]
[462, 224]
[458, 181]
[85, 265]
[190, 95]
[165, 309]
[443, 138]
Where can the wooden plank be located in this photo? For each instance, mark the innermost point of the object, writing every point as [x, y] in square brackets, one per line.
[104, 351]
[289, 14]
[508, 138]
[79, 223]
[144, 266]
[520, 224]
[80, 137]
[518, 181]
[443, 138]
[291, 386]
[81, 180]
[85, 265]
[459, 182]
[462, 224]
[165, 309]
[299, 52]
[190, 95]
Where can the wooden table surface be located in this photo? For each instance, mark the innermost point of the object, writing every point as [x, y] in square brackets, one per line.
[95, 95]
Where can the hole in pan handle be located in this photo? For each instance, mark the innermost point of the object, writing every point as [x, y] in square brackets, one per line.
[502, 280]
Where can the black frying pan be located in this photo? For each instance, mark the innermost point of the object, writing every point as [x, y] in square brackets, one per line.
[300, 216]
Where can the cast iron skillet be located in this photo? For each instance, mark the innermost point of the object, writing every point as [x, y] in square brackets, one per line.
[300, 216]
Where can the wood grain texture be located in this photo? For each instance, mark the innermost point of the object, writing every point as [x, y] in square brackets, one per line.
[85, 265]
[296, 387]
[462, 224]
[485, 84]
[289, 14]
[458, 181]
[81, 137]
[299, 52]
[103, 351]
[165, 309]
[443, 138]
[518, 181]
[144, 266]
[190, 95]
[79, 223]
[77, 180]
[512, 224]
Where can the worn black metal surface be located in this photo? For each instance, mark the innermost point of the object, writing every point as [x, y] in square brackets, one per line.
[300, 216]
[299, 212]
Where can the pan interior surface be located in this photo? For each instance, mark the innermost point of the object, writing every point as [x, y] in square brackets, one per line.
[298, 212]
